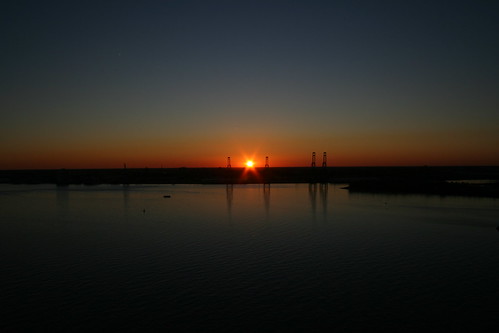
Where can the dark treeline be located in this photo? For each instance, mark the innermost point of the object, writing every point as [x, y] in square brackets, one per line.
[371, 179]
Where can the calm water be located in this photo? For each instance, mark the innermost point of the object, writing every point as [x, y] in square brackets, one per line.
[245, 258]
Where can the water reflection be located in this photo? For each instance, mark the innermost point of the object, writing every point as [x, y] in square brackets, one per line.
[229, 192]
[324, 188]
[323, 194]
[196, 255]
[266, 199]
[312, 194]
[126, 198]
[62, 198]
[229, 195]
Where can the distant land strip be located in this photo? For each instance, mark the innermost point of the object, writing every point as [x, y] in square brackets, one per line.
[454, 180]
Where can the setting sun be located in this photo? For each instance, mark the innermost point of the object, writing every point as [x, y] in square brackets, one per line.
[249, 164]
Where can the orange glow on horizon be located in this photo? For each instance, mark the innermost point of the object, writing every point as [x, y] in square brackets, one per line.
[377, 151]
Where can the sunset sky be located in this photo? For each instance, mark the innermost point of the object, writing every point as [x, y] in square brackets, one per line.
[95, 84]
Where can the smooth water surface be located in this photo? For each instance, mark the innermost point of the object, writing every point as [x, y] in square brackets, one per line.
[245, 258]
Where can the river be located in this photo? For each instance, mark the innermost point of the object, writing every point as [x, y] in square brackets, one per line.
[288, 257]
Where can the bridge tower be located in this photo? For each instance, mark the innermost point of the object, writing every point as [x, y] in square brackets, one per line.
[266, 161]
[324, 160]
[313, 159]
[228, 163]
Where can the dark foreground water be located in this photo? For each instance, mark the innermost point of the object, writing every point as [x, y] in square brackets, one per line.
[245, 258]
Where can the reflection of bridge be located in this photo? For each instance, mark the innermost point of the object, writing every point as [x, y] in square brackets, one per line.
[229, 191]
[314, 189]
[323, 192]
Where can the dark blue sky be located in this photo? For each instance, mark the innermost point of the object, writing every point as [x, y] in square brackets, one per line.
[93, 84]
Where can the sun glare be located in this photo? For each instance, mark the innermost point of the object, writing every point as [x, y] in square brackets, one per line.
[249, 164]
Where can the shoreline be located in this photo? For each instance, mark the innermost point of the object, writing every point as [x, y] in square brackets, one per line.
[421, 180]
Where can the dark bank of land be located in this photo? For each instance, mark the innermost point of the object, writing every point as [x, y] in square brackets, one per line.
[473, 181]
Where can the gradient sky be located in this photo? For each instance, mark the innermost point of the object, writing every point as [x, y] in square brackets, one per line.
[95, 84]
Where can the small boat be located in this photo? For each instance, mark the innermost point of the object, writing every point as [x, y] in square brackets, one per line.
[167, 196]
